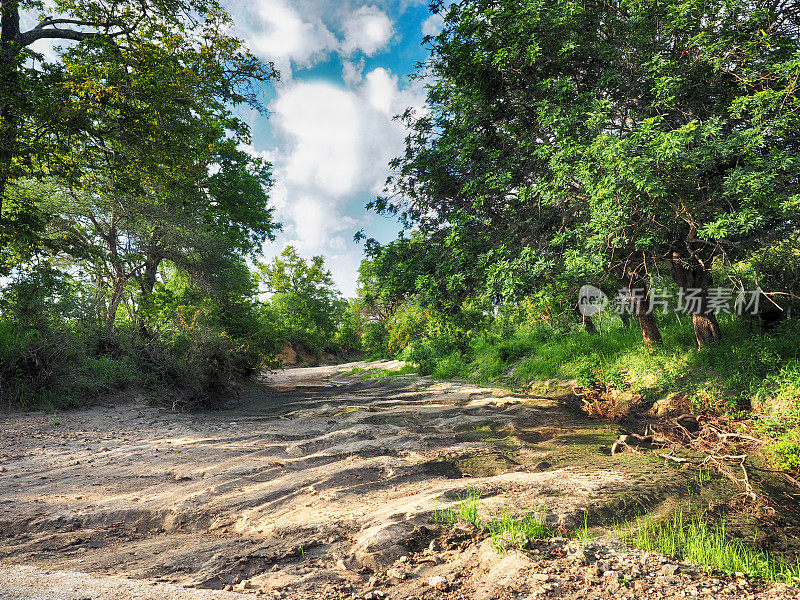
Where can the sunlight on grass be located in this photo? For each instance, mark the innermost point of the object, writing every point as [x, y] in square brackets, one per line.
[505, 528]
[706, 543]
[466, 509]
[378, 372]
[682, 535]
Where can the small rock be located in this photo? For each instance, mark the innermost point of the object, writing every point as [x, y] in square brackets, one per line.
[104, 449]
[602, 566]
[275, 568]
[576, 551]
[438, 582]
[540, 576]
[395, 573]
[228, 588]
[669, 569]
[244, 585]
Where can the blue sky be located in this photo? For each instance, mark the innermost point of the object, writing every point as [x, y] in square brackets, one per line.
[330, 132]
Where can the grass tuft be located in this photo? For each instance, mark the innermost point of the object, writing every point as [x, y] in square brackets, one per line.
[706, 543]
[465, 509]
[505, 528]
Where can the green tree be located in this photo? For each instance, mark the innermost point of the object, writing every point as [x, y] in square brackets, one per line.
[135, 75]
[154, 172]
[304, 298]
[620, 140]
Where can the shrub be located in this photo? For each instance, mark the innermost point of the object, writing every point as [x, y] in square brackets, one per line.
[450, 366]
[786, 450]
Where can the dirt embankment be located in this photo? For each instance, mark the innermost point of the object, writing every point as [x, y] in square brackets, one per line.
[314, 484]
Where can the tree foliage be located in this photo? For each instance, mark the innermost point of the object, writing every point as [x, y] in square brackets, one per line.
[304, 300]
[575, 141]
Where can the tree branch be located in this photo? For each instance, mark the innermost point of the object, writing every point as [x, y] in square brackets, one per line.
[40, 32]
[27, 38]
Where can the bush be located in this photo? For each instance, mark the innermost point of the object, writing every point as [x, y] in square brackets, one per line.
[375, 340]
[452, 365]
[786, 450]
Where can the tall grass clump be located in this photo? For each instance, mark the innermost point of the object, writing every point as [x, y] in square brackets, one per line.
[706, 543]
[464, 509]
[506, 529]
[531, 526]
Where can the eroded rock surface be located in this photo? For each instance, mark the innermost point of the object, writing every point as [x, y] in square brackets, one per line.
[312, 485]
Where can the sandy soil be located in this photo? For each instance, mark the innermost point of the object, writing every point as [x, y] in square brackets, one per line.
[307, 486]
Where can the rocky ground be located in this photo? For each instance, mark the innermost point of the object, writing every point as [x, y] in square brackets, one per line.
[319, 484]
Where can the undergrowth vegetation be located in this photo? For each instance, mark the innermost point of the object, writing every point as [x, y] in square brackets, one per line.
[684, 535]
[506, 529]
[689, 536]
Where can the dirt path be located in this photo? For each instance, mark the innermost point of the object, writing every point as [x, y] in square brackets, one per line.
[307, 487]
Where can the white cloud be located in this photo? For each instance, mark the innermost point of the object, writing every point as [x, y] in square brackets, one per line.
[335, 143]
[300, 33]
[321, 122]
[380, 90]
[352, 72]
[369, 29]
[433, 25]
[276, 31]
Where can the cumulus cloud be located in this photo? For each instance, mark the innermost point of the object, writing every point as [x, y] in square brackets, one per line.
[276, 31]
[369, 29]
[335, 143]
[433, 25]
[352, 72]
[331, 141]
[295, 34]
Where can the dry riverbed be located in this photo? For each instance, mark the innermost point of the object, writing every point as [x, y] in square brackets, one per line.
[319, 484]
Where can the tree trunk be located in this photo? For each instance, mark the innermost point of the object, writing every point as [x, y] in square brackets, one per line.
[706, 328]
[586, 321]
[589, 325]
[114, 301]
[650, 332]
[638, 280]
[10, 93]
[693, 277]
[651, 335]
[147, 284]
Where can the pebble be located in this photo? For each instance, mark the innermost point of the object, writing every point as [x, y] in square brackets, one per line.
[669, 569]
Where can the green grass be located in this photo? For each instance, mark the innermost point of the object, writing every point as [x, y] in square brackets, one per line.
[465, 509]
[531, 526]
[747, 365]
[703, 542]
[378, 373]
[503, 528]
[683, 535]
